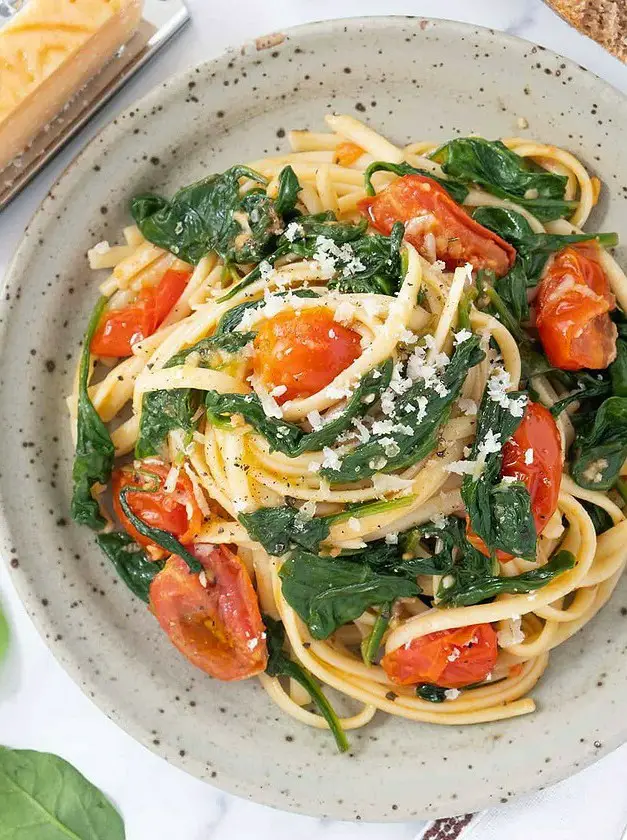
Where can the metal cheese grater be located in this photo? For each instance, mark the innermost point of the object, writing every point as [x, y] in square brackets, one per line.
[161, 20]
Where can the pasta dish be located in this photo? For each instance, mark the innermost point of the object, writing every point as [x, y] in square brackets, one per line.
[355, 418]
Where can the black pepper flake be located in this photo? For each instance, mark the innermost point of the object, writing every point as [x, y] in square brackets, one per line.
[391, 695]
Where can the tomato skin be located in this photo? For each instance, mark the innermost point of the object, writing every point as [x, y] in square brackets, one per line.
[542, 477]
[176, 512]
[218, 628]
[121, 328]
[425, 207]
[427, 659]
[572, 307]
[303, 351]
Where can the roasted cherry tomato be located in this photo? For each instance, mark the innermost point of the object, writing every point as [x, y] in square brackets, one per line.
[449, 658]
[435, 223]
[176, 512]
[121, 328]
[533, 455]
[218, 627]
[572, 307]
[303, 351]
[347, 153]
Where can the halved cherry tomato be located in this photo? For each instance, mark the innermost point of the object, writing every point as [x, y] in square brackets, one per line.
[303, 351]
[448, 658]
[217, 627]
[537, 441]
[176, 512]
[572, 307]
[428, 210]
[347, 153]
[121, 328]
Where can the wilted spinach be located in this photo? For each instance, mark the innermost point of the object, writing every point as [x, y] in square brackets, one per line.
[166, 410]
[600, 447]
[499, 513]
[328, 592]
[370, 457]
[289, 438]
[280, 665]
[162, 538]
[505, 174]
[93, 458]
[130, 562]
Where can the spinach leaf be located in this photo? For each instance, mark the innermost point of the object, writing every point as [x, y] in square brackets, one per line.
[43, 796]
[584, 386]
[328, 592]
[456, 189]
[618, 369]
[370, 457]
[280, 665]
[278, 528]
[449, 537]
[130, 562]
[199, 218]
[377, 265]
[289, 438]
[93, 458]
[465, 593]
[372, 642]
[533, 249]
[499, 513]
[287, 194]
[164, 539]
[600, 448]
[505, 174]
[601, 519]
[432, 693]
[164, 411]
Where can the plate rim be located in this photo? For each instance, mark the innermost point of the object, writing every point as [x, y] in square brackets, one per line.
[62, 653]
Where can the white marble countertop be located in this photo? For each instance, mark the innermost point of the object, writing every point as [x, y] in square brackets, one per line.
[40, 707]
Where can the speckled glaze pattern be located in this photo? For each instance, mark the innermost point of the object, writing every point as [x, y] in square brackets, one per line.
[412, 79]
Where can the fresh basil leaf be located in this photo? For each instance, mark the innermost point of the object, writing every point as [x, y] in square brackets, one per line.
[505, 174]
[456, 189]
[289, 438]
[130, 562]
[93, 458]
[44, 798]
[499, 513]
[600, 448]
[328, 592]
[465, 594]
[362, 461]
[280, 665]
[164, 539]
[198, 219]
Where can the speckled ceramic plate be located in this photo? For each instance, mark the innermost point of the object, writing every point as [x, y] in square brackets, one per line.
[410, 78]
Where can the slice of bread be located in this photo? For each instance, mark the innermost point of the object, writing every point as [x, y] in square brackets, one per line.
[603, 20]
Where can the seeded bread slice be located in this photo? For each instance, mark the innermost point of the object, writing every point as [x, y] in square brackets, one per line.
[603, 20]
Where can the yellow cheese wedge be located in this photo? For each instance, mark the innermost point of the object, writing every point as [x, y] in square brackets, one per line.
[48, 51]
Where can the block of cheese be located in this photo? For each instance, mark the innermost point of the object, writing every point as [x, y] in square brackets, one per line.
[48, 52]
